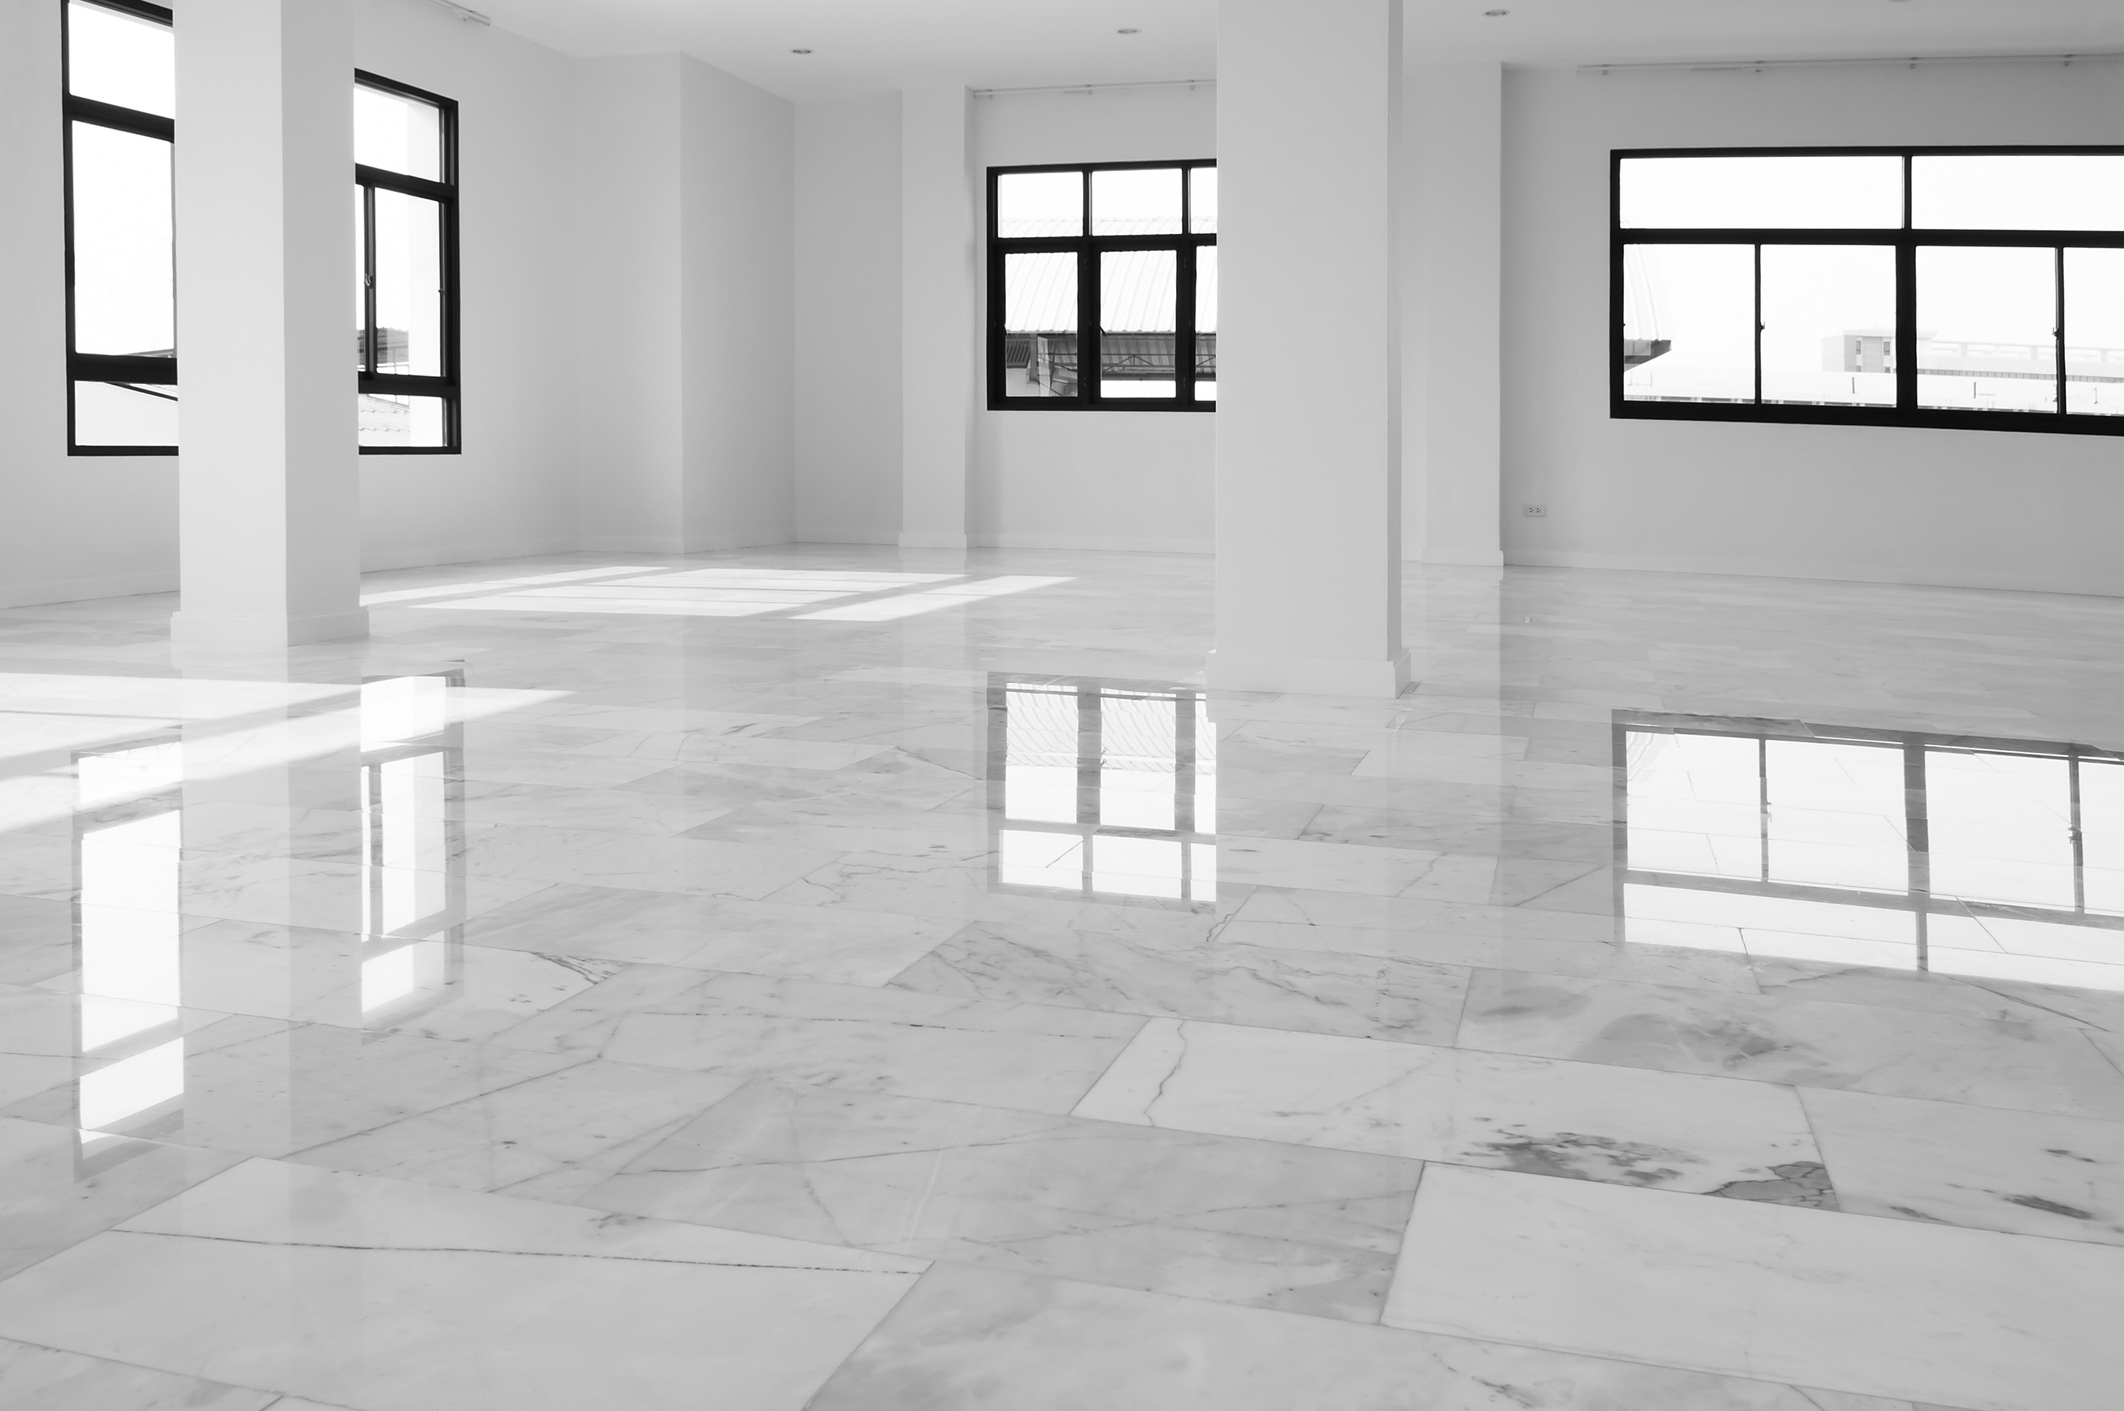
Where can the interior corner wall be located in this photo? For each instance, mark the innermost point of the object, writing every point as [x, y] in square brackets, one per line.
[1093, 480]
[70, 526]
[847, 300]
[736, 290]
[1899, 505]
[510, 491]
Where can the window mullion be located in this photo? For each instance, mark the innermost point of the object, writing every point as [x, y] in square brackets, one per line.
[1184, 323]
[2058, 333]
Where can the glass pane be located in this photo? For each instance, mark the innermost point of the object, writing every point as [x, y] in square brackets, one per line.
[1202, 200]
[1829, 325]
[1138, 323]
[1145, 202]
[397, 133]
[1780, 193]
[1206, 324]
[1040, 325]
[1040, 764]
[409, 299]
[1689, 323]
[119, 58]
[1836, 814]
[2017, 193]
[1138, 761]
[401, 421]
[2094, 332]
[119, 414]
[2001, 827]
[1039, 204]
[124, 277]
[1987, 320]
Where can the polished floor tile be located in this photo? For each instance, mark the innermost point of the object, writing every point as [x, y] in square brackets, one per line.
[1694, 994]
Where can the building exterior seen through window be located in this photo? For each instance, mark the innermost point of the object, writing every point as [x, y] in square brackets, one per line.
[1963, 287]
[120, 86]
[1102, 287]
[120, 105]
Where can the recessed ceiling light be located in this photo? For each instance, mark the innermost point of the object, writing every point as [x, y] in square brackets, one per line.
[1128, 31]
[800, 51]
[1497, 14]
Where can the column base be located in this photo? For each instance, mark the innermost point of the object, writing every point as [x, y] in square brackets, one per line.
[934, 541]
[1309, 676]
[242, 632]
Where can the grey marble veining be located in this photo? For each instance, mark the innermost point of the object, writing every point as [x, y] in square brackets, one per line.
[537, 994]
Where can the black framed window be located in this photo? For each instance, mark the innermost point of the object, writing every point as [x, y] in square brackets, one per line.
[1102, 287]
[405, 234]
[1967, 287]
[119, 86]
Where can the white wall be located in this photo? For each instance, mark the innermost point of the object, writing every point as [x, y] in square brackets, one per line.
[1093, 480]
[70, 527]
[509, 492]
[1970, 508]
[848, 321]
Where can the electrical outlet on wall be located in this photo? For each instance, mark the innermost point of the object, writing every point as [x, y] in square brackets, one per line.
[1537, 511]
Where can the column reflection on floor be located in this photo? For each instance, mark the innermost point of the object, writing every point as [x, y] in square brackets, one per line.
[1102, 788]
[364, 934]
[1988, 858]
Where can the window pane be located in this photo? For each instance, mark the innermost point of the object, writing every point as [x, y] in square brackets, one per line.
[1206, 324]
[397, 133]
[1829, 324]
[120, 58]
[1145, 202]
[1987, 321]
[2017, 193]
[1039, 204]
[114, 414]
[1040, 325]
[1202, 200]
[409, 323]
[1689, 323]
[401, 421]
[1138, 324]
[124, 278]
[1778, 193]
[2094, 332]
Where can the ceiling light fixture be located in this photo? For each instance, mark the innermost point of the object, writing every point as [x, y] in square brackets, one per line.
[1496, 14]
[800, 51]
[1128, 31]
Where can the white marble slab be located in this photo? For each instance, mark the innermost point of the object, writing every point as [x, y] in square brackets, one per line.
[389, 1296]
[1884, 1308]
[968, 1338]
[1259, 1223]
[1560, 1119]
[2021, 1063]
[59, 1185]
[1981, 1167]
[46, 1379]
[1040, 1058]
[1323, 992]
[1631, 961]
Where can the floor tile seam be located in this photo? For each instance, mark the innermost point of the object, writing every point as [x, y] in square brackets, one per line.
[276, 1393]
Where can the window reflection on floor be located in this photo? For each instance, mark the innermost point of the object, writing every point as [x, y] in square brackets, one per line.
[1986, 858]
[130, 919]
[1102, 788]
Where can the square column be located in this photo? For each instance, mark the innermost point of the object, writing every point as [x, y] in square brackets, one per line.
[937, 333]
[1308, 348]
[269, 492]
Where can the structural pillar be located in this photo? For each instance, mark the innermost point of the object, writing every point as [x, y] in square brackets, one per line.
[1308, 348]
[269, 503]
[937, 333]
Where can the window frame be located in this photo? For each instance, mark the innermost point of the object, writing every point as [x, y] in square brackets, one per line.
[1088, 248]
[367, 181]
[105, 367]
[1906, 241]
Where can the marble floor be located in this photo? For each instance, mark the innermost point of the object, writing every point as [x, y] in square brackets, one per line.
[842, 978]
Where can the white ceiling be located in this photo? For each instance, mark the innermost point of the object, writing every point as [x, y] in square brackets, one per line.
[864, 46]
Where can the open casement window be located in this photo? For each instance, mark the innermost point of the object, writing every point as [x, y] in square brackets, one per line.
[120, 106]
[405, 291]
[1102, 287]
[1973, 287]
